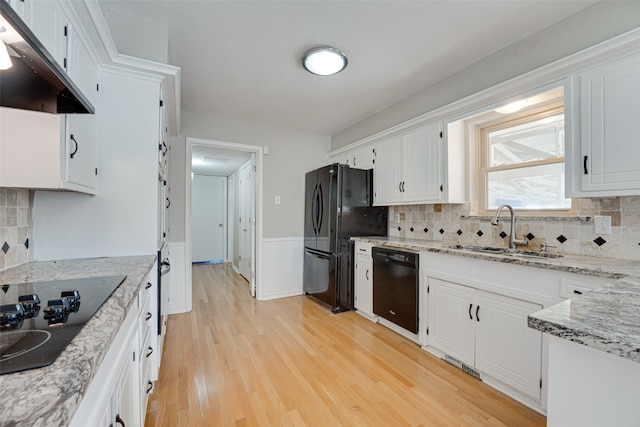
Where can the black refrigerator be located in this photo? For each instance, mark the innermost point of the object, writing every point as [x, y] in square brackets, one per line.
[338, 203]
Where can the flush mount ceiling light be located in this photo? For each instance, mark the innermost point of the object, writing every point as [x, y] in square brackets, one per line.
[324, 61]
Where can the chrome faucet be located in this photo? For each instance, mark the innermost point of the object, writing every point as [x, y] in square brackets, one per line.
[512, 241]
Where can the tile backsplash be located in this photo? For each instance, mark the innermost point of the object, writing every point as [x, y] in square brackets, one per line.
[453, 224]
[14, 227]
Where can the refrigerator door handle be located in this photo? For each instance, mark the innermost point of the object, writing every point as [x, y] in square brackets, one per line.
[317, 254]
[314, 207]
[320, 207]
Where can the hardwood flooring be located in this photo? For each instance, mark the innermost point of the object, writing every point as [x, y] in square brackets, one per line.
[235, 361]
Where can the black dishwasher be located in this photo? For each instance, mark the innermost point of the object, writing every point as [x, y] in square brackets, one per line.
[395, 286]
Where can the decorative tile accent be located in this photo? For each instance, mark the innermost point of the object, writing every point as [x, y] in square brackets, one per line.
[479, 233]
[561, 239]
[411, 229]
[5, 288]
[599, 241]
[502, 234]
[5, 247]
[26, 243]
[399, 228]
[530, 236]
[459, 232]
[441, 231]
[426, 230]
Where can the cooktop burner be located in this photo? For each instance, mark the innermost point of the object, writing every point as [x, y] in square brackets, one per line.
[39, 319]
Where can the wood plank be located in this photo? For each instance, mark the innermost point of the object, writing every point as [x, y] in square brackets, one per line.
[235, 361]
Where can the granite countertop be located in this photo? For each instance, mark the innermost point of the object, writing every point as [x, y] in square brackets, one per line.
[50, 395]
[606, 318]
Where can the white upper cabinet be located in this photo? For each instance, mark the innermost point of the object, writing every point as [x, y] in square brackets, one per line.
[362, 158]
[49, 24]
[415, 167]
[603, 127]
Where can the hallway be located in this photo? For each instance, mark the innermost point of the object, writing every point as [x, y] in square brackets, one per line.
[236, 361]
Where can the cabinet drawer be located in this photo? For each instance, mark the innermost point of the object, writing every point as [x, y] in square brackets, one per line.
[146, 317]
[363, 248]
[571, 288]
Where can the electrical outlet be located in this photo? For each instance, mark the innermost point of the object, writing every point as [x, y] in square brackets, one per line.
[602, 224]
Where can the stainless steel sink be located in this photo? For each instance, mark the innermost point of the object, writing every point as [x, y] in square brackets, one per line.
[505, 251]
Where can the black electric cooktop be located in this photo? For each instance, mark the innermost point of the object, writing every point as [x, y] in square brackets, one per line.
[39, 319]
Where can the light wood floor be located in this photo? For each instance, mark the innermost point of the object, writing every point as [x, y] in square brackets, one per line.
[235, 361]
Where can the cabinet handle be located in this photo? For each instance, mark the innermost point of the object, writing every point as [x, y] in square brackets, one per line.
[470, 315]
[400, 186]
[362, 250]
[403, 186]
[168, 203]
[164, 151]
[75, 150]
[577, 292]
[477, 310]
[119, 421]
[148, 285]
[150, 351]
[149, 316]
[149, 387]
[586, 171]
[366, 274]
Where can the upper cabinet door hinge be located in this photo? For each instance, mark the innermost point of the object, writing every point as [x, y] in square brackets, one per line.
[440, 134]
[427, 289]
[441, 187]
[66, 32]
[96, 171]
[97, 87]
[161, 102]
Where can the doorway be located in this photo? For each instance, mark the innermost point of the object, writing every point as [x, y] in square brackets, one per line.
[236, 168]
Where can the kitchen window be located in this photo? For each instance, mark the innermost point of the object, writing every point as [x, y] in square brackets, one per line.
[522, 162]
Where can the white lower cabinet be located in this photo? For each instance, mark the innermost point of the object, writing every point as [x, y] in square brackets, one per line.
[363, 280]
[119, 392]
[487, 332]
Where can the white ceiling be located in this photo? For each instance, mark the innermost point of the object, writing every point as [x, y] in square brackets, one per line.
[216, 161]
[241, 59]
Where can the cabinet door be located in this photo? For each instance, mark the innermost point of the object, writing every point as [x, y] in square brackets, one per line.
[126, 400]
[387, 173]
[81, 68]
[422, 162]
[24, 9]
[609, 121]
[81, 150]
[48, 24]
[363, 284]
[451, 319]
[362, 158]
[507, 349]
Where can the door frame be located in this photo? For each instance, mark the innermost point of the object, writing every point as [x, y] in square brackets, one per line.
[256, 273]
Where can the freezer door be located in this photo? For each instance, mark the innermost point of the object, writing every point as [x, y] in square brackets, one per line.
[320, 278]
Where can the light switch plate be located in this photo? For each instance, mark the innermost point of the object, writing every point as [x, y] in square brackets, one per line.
[602, 224]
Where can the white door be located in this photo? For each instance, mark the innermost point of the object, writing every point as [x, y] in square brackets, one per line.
[245, 197]
[452, 320]
[507, 349]
[208, 218]
[363, 284]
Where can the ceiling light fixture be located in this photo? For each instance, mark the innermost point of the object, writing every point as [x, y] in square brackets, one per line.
[512, 107]
[5, 60]
[324, 61]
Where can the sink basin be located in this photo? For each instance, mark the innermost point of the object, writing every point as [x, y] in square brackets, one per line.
[505, 251]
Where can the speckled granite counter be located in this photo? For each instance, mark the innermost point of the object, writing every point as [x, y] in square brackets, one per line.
[50, 396]
[607, 318]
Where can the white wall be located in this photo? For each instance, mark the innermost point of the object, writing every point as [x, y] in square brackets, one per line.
[121, 218]
[586, 28]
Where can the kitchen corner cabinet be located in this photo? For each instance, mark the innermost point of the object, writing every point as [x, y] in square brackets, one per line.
[602, 125]
[363, 279]
[413, 167]
[362, 158]
[487, 332]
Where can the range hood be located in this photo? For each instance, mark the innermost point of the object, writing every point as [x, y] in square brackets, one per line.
[35, 81]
